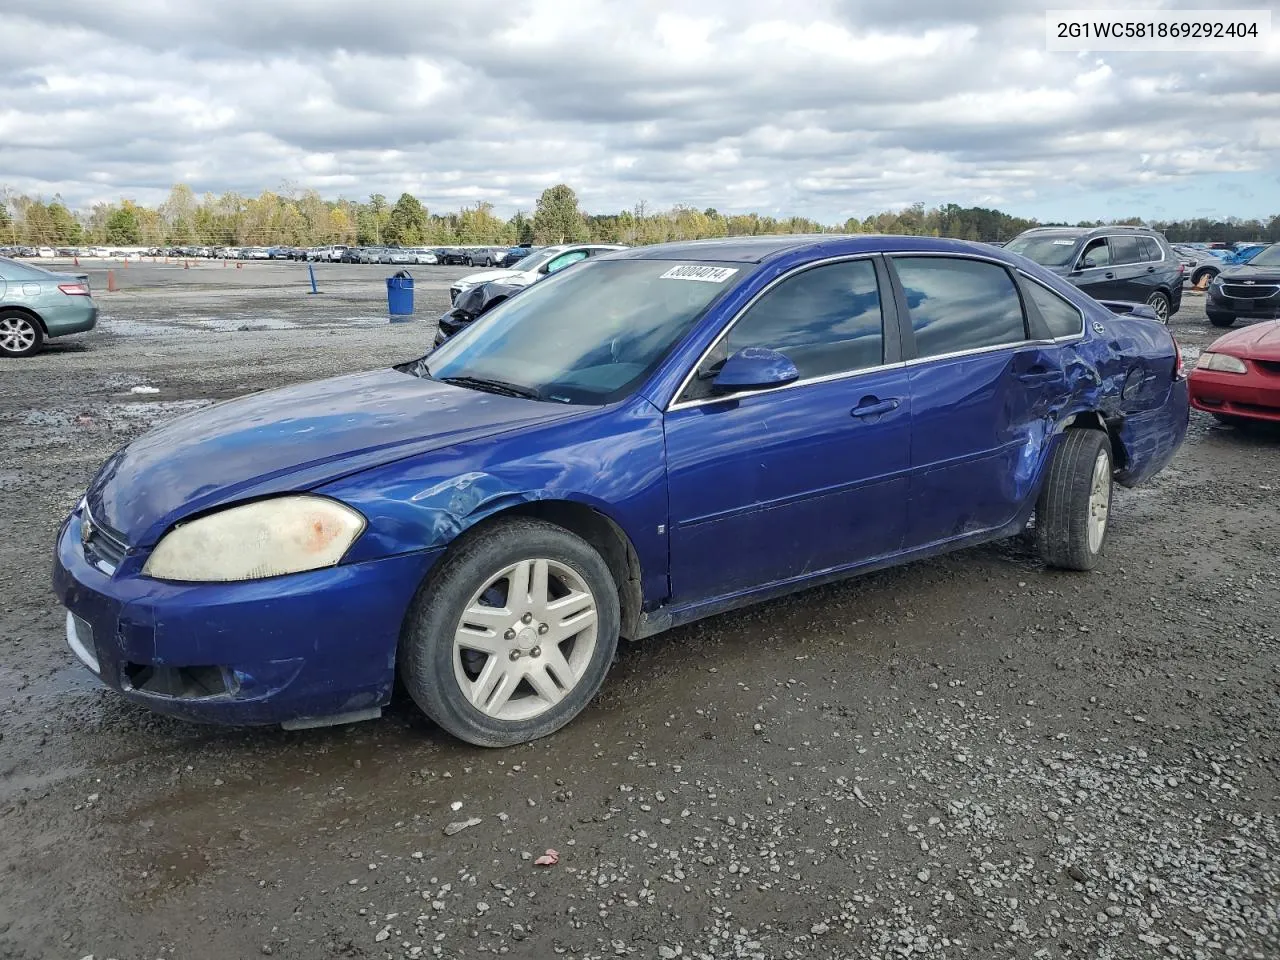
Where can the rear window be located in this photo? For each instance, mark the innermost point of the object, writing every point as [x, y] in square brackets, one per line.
[958, 305]
[1047, 250]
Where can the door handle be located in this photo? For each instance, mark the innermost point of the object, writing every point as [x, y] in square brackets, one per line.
[1151, 269]
[871, 407]
[1109, 276]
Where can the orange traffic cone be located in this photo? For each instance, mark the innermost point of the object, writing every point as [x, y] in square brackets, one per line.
[76, 260]
[111, 282]
[239, 264]
[186, 265]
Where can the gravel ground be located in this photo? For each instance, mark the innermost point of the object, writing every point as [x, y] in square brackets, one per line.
[967, 757]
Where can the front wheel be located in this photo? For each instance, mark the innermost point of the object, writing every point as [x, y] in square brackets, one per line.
[1074, 509]
[20, 334]
[1202, 278]
[513, 634]
[1160, 304]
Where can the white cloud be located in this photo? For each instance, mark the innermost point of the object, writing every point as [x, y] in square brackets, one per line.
[821, 107]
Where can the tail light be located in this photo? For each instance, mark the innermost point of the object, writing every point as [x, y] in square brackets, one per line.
[74, 289]
[1182, 268]
[1179, 368]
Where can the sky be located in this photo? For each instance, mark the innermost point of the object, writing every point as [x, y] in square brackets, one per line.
[820, 108]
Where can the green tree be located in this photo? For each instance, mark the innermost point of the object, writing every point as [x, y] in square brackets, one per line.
[122, 225]
[407, 222]
[557, 218]
[65, 226]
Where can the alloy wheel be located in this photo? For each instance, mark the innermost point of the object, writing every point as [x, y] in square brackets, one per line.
[525, 639]
[1099, 500]
[17, 334]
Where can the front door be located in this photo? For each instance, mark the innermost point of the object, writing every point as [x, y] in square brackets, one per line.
[1095, 273]
[778, 485]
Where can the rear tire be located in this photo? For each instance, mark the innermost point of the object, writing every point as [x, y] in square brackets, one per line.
[1074, 510]
[20, 334]
[461, 614]
[1203, 276]
[1221, 319]
[1160, 304]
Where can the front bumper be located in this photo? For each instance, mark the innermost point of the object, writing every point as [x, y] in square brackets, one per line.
[1255, 395]
[1252, 308]
[292, 648]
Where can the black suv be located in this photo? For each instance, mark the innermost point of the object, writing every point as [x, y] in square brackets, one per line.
[1249, 290]
[1109, 263]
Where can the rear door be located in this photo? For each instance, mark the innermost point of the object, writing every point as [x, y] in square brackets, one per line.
[1134, 273]
[983, 395]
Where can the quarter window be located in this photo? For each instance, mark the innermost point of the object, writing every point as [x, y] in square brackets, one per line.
[1062, 319]
[960, 304]
[1151, 249]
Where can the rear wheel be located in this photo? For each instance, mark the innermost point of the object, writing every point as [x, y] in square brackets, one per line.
[1074, 510]
[1160, 304]
[1221, 319]
[20, 334]
[1202, 278]
[512, 636]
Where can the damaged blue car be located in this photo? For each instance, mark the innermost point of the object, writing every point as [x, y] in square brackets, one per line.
[655, 436]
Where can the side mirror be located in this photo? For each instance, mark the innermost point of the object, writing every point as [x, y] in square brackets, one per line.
[1088, 263]
[754, 368]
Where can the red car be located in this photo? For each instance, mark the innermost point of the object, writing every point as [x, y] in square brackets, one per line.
[1238, 376]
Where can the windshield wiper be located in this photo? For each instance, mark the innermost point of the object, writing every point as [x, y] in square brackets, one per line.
[494, 386]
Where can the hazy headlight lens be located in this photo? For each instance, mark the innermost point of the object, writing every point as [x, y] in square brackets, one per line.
[1222, 363]
[267, 538]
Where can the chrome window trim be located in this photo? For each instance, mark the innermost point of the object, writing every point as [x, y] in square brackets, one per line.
[677, 404]
[1067, 337]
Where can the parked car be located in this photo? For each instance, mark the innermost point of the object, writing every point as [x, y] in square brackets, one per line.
[401, 255]
[655, 436]
[453, 256]
[547, 261]
[422, 255]
[1109, 263]
[1244, 253]
[37, 304]
[1237, 378]
[471, 304]
[1250, 290]
[514, 255]
[484, 257]
[46, 253]
[1199, 266]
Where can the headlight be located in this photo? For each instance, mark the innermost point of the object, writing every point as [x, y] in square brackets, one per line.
[1221, 362]
[266, 538]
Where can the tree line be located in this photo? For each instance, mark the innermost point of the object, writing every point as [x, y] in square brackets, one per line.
[294, 217]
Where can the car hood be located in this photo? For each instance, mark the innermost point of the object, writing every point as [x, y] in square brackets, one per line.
[293, 438]
[1249, 271]
[1258, 341]
[506, 276]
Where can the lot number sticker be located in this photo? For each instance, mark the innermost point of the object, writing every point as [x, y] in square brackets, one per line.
[705, 274]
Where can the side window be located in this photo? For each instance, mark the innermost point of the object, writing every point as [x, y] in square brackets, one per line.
[1150, 249]
[960, 304]
[827, 320]
[1062, 318]
[1125, 250]
[1095, 254]
[565, 260]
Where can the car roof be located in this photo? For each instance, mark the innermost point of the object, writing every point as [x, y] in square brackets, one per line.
[757, 249]
[1089, 231]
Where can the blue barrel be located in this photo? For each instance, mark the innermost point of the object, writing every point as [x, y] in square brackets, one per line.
[400, 294]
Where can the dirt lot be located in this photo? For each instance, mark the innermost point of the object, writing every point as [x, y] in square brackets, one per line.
[967, 757]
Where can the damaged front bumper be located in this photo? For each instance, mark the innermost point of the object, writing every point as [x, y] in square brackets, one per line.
[298, 649]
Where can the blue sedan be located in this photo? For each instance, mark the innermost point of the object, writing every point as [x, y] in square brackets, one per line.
[655, 436]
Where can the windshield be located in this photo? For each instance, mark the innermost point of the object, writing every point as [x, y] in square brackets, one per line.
[534, 260]
[1048, 251]
[588, 335]
[1269, 257]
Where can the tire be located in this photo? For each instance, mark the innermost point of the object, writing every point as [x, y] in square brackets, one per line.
[20, 334]
[1078, 484]
[476, 575]
[1221, 319]
[1159, 302]
[1200, 275]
